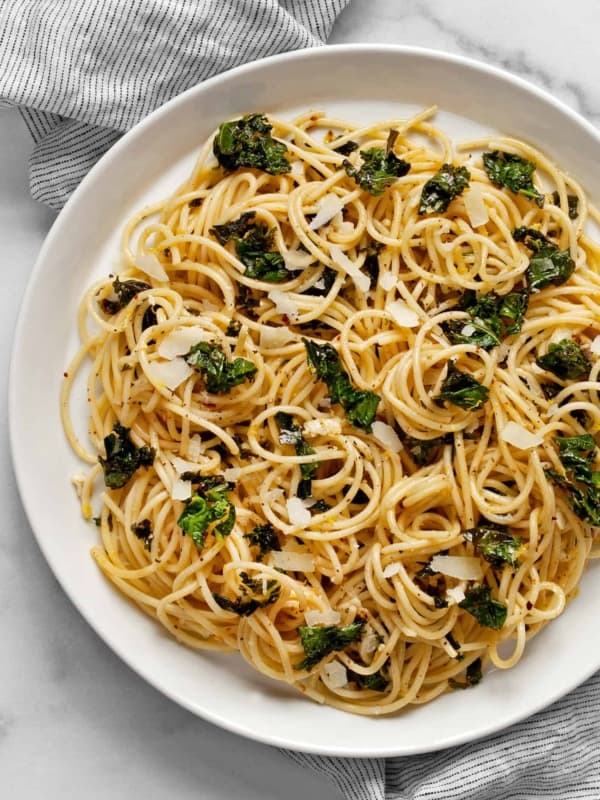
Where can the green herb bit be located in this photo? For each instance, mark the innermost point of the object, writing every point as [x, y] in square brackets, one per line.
[253, 597]
[143, 530]
[234, 328]
[328, 277]
[577, 454]
[425, 451]
[514, 172]
[493, 317]
[473, 675]
[376, 681]
[566, 360]
[205, 508]
[439, 191]
[123, 458]
[291, 433]
[253, 243]
[548, 264]
[371, 263]
[495, 544]
[265, 538]
[585, 502]
[489, 613]
[378, 171]
[149, 319]
[461, 389]
[345, 149]
[220, 375]
[360, 406]
[572, 203]
[125, 291]
[320, 641]
[247, 142]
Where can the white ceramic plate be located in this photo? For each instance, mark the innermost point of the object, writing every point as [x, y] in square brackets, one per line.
[362, 83]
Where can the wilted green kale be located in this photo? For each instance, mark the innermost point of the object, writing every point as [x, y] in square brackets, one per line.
[207, 506]
[493, 317]
[566, 360]
[572, 201]
[378, 171]
[247, 142]
[494, 543]
[320, 641]
[461, 389]
[425, 451]
[439, 191]
[376, 681]
[360, 406]
[581, 483]
[143, 530]
[514, 172]
[253, 243]
[548, 264]
[123, 458]
[220, 375]
[488, 612]
[253, 596]
[291, 433]
[265, 538]
[125, 291]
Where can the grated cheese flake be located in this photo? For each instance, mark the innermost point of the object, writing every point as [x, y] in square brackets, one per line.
[474, 204]
[327, 617]
[520, 437]
[292, 562]
[297, 512]
[387, 281]
[387, 436]
[149, 263]
[171, 373]
[465, 568]
[271, 337]
[329, 426]
[341, 260]
[595, 346]
[284, 304]
[457, 594]
[327, 208]
[392, 569]
[402, 315]
[181, 490]
[180, 341]
[336, 674]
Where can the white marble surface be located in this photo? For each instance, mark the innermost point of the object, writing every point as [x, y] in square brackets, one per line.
[73, 719]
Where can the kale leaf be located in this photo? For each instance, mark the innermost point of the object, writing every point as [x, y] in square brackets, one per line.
[320, 641]
[371, 263]
[577, 454]
[488, 612]
[143, 530]
[247, 142]
[328, 277]
[548, 265]
[125, 291]
[376, 681]
[233, 328]
[378, 171]
[220, 375]
[493, 317]
[123, 458]
[252, 598]
[425, 451]
[566, 360]
[207, 506]
[265, 538]
[149, 319]
[253, 243]
[291, 433]
[345, 149]
[439, 191]
[495, 544]
[514, 172]
[360, 406]
[460, 389]
[473, 675]
[572, 202]
[582, 484]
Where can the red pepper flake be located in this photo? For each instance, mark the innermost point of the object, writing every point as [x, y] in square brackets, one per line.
[65, 374]
[529, 605]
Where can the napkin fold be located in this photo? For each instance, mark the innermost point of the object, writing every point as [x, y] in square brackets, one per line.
[82, 73]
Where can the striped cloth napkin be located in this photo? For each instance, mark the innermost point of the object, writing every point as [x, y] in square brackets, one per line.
[84, 72]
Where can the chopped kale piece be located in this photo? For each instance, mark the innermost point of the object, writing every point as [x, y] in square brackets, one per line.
[548, 265]
[345, 149]
[474, 673]
[143, 530]
[149, 319]
[572, 202]
[320, 641]
[425, 451]
[371, 263]
[207, 506]
[566, 360]
[328, 277]
[265, 538]
[439, 191]
[235, 229]
[247, 142]
[378, 170]
[253, 243]
[514, 172]
[123, 458]
[291, 433]
[489, 613]
[125, 291]
[360, 406]
[319, 507]
[493, 317]
[234, 328]
[460, 389]
[252, 598]
[376, 681]
[220, 375]
[495, 544]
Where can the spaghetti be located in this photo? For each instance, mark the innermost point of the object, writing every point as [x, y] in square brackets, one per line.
[344, 392]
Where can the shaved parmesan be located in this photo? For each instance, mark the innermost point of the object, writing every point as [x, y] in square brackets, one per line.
[297, 511]
[181, 490]
[327, 617]
[465, 568]
[520, 437]
[328, 207]
[171, 373]
[457, 594]
[331, 426]
[595, 346]
[320, 284]
[392, 569]
[293, 562]
[336, 674]
[297, 259]
[345, 227]
[181, 465]
[341, 260]
[283, 303]
[387, 436]
[149, 263]
[180, 341]
[475, 206]
[297, 169]
[275, 337]
[370, 641]
[195, 447]
[387, 280]
[402, 315]
[232, 474]
[274, 494]
[468, 329]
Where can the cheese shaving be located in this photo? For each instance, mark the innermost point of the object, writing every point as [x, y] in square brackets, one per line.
[171, 373]
[387, 436]
[292, 562]
[402, 315]
[520, 437]
[328, 207]
[465, 568]
[149, 263]
[341, 260]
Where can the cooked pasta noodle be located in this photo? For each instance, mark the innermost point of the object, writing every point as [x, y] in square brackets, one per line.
[346, 591]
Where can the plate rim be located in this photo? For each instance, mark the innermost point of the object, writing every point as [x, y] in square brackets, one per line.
[19, 465]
